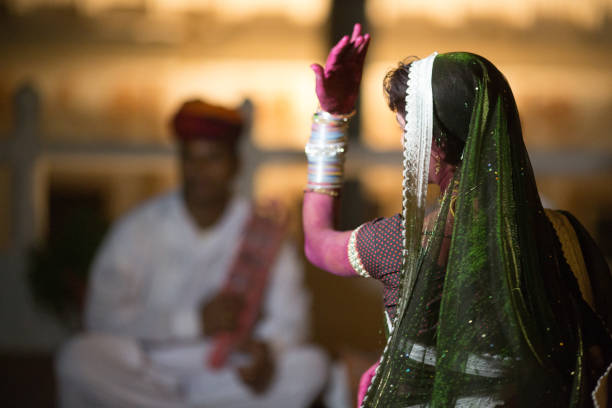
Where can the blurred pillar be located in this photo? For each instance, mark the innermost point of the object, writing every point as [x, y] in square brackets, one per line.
[25, 149]
[344, 14]
[4, 10]
[22, 325]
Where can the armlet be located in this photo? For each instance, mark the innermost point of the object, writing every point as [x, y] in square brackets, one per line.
[353, 254]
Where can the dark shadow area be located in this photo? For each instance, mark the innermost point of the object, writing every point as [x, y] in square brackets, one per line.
[27, 380]
[59, 269]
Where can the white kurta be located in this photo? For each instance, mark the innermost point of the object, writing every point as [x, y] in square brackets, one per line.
[143, 347]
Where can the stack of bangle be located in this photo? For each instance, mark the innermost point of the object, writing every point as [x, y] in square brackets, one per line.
[325, 152]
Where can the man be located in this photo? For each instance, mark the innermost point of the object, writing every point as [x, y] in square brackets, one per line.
[161, 296]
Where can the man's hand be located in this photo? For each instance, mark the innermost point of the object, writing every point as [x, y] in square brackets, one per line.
[221, 313]
[257, 375]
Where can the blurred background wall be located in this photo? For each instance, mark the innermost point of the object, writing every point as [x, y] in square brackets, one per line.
[87, 88]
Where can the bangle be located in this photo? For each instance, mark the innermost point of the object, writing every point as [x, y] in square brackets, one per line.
[331, 193]
[322, 116]
[325, 151]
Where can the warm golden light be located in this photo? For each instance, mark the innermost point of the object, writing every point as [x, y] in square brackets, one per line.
[132, 100]
[298, 11]
[558, 105]
[280, 181]
[281, 92]
[283, 184]
[587, 13]
[380, 128]
[383, 185]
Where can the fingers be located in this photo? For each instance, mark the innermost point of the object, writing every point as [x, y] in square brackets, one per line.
[348, 51]
[363, 46]
[358, 42]
[318, 71]
[362, 50]
[341, 44]
[336, 53]
[356, 32]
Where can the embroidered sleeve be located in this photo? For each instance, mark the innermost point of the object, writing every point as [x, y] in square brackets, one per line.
[353, 254]
[378, 244]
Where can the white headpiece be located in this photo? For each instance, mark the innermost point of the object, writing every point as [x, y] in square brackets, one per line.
[418, 134]
[417, 149]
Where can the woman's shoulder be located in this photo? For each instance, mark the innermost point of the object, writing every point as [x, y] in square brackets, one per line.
[391, 223]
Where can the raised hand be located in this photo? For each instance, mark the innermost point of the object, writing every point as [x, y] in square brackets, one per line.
[337, 85]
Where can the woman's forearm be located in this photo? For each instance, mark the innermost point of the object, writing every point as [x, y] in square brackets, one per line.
[325, 247]
[337, 87]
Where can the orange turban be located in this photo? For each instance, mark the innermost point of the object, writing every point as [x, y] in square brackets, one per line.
[197, 119]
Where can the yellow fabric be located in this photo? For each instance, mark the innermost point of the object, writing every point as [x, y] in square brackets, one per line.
[600, 394]
[572, 253]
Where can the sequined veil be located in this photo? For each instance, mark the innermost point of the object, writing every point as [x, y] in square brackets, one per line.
[490, 313]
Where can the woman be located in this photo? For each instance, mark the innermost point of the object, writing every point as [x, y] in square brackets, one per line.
[481, 298]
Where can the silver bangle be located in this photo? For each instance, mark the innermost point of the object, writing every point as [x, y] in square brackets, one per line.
[321, 151]
[334, 117]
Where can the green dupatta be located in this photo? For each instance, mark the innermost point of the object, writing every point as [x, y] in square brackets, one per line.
[491, 314]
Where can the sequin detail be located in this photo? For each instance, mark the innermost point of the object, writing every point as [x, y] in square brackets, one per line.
[353, 254]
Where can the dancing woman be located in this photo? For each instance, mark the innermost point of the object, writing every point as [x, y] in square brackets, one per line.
[490, 299]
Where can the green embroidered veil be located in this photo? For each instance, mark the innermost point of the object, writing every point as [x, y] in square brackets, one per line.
[490, 313]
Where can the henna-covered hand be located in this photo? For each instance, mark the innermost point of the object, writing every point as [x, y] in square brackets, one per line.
[337, 85]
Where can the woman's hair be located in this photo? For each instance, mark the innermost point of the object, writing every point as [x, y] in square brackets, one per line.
[450, 141]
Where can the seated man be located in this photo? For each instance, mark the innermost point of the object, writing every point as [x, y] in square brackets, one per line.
[161, 297]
